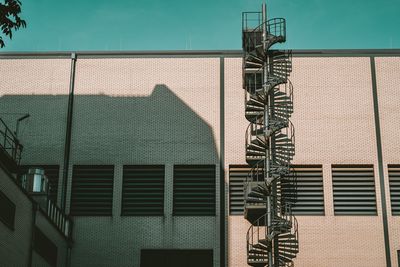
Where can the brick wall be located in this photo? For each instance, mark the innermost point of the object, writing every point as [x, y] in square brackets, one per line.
[388, 80]
[166, 111]
[334, 122]
[145, 111]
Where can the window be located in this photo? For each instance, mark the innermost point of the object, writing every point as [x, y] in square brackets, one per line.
[194, 190]
[394, 182]
[310, 190]
[176, 257]
[45, 247]
[143, 190]
[354, 190]
[7, 211]
[398, 258]
[92, 190]
[237, 178]
[52, 172]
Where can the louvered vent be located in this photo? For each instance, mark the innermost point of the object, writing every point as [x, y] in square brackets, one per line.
[143, 190]
[194, 190]
[237, 178]
[92, 190]
[394, 181]
[310, 190]
[354, 189]
[52, 172]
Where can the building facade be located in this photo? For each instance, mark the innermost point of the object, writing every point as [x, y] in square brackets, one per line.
[152, 148]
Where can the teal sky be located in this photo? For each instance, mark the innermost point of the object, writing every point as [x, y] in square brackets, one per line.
[67, 25]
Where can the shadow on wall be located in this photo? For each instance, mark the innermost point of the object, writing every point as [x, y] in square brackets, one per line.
[155, 129]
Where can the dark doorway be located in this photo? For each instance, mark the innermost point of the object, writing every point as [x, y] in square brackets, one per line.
[176, 258]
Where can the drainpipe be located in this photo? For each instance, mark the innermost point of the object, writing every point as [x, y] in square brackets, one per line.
[67, 148]
[34, 210]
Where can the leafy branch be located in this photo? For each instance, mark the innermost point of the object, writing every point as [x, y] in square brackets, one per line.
[9, 18]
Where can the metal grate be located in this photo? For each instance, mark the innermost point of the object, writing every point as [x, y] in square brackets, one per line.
[143, 190]
[354, 190]
[394, 182]
[45, 247]
[92, 190]
[7, 211]
[52, 172]
[310, 190]
[194, 190]
[237, 178]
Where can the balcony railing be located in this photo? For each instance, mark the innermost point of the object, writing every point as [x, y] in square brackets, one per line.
[9, 143]
[61, 221]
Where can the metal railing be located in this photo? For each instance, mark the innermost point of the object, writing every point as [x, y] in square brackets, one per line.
[59, 219]
[252, 27]
[10, 143]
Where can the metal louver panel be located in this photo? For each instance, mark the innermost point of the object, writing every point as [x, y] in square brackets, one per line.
[310, 190]
[92, 190]
[394, 182]
[237, 178]
[354, 190]
[52, 172]
[194, 190]
[143, 190]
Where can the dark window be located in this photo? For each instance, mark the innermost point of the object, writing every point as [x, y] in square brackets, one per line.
[194, 190]
[143, 190]
[394, 182]
[354, 190]
[92, 190]
[310, 190]
[7, 211]
[398, 258]
[237, 178]
[45, 247]
[176, 258]
[52, 172]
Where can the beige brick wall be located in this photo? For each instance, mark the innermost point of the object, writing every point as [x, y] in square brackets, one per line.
[388, 80]
[39, 87]
[334, 123]
[147, 111]
[166, 111]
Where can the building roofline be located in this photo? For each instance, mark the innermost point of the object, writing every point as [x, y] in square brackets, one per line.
[195, 53]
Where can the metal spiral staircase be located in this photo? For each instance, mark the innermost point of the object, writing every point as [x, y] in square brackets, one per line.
[270, 187]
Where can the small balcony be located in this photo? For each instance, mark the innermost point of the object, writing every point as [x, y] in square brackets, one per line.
[10, 148]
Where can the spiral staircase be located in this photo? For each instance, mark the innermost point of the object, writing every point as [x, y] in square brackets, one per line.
[270, 187]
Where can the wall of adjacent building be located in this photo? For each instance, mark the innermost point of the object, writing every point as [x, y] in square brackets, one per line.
[16, 247]
[15, 243]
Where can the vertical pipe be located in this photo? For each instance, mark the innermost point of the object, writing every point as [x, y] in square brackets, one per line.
[266, 128]
[386, 236]
[31, 247]
[67, 147]
[222, 163]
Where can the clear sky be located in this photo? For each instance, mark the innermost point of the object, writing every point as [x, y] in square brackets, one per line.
[66, 25]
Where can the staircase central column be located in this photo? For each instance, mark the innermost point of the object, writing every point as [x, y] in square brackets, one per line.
[266, 136]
